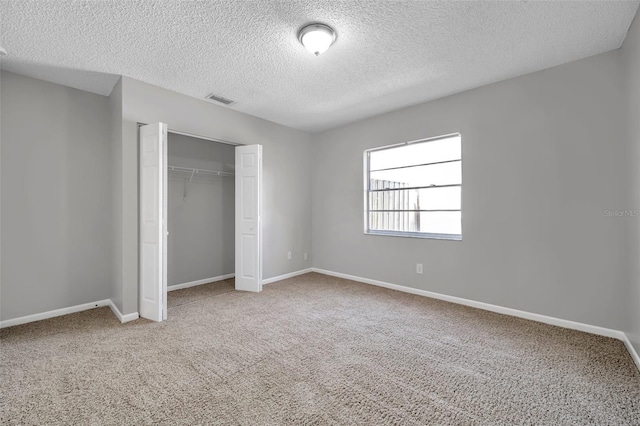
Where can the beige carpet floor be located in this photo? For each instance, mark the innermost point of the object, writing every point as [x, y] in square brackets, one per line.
[313, 350]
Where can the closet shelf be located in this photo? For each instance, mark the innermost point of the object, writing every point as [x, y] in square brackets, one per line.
[188, 174]
[184, 171]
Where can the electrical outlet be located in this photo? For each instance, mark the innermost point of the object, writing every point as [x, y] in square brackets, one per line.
[306, 256]
[418, 268]
[289, 256]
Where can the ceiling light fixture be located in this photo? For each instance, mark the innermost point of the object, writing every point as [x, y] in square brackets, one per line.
[317, 37]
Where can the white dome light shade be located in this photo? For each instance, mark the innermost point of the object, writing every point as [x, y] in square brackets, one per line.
[317, 38]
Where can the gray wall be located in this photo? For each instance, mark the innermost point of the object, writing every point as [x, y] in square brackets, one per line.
[201, 227]
[631, 56]
[286, 165]
[1, 80]
[542, 160]
[56, 216]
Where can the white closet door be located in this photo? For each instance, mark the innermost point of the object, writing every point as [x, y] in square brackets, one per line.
[153, 221]
[248, 211]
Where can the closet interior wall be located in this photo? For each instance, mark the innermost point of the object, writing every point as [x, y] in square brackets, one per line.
[201, 210]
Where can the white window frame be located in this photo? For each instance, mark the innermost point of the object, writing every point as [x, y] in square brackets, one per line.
[367, 189]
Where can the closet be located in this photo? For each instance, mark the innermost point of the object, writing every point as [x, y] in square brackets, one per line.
[201, 211]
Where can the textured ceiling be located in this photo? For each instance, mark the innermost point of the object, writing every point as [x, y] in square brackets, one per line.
[388, 55]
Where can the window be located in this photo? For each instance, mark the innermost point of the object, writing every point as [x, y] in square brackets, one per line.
[414, 189]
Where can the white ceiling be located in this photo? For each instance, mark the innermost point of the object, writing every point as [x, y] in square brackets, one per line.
[388, 55]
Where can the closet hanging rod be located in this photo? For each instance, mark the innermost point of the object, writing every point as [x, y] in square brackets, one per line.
[199, 172]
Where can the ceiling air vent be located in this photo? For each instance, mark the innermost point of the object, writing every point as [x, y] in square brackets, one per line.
[219, 99]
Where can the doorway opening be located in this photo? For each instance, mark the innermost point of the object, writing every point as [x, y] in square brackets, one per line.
[200, 220]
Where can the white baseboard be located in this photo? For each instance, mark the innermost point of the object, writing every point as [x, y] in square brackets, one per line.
[122, 318]
[200, 282]
[632, 351]
[593, 329]
[285, 276]
[54, 313]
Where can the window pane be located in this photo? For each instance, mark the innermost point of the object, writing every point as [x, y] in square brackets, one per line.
[441, 223]
[425, 222]
[436, 174]
[416, 199]
[394, 221]
[417, 153]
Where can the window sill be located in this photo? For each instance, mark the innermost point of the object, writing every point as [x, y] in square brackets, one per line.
[450, 237]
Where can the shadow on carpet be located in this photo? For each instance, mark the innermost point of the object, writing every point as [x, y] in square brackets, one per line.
[193, 294]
